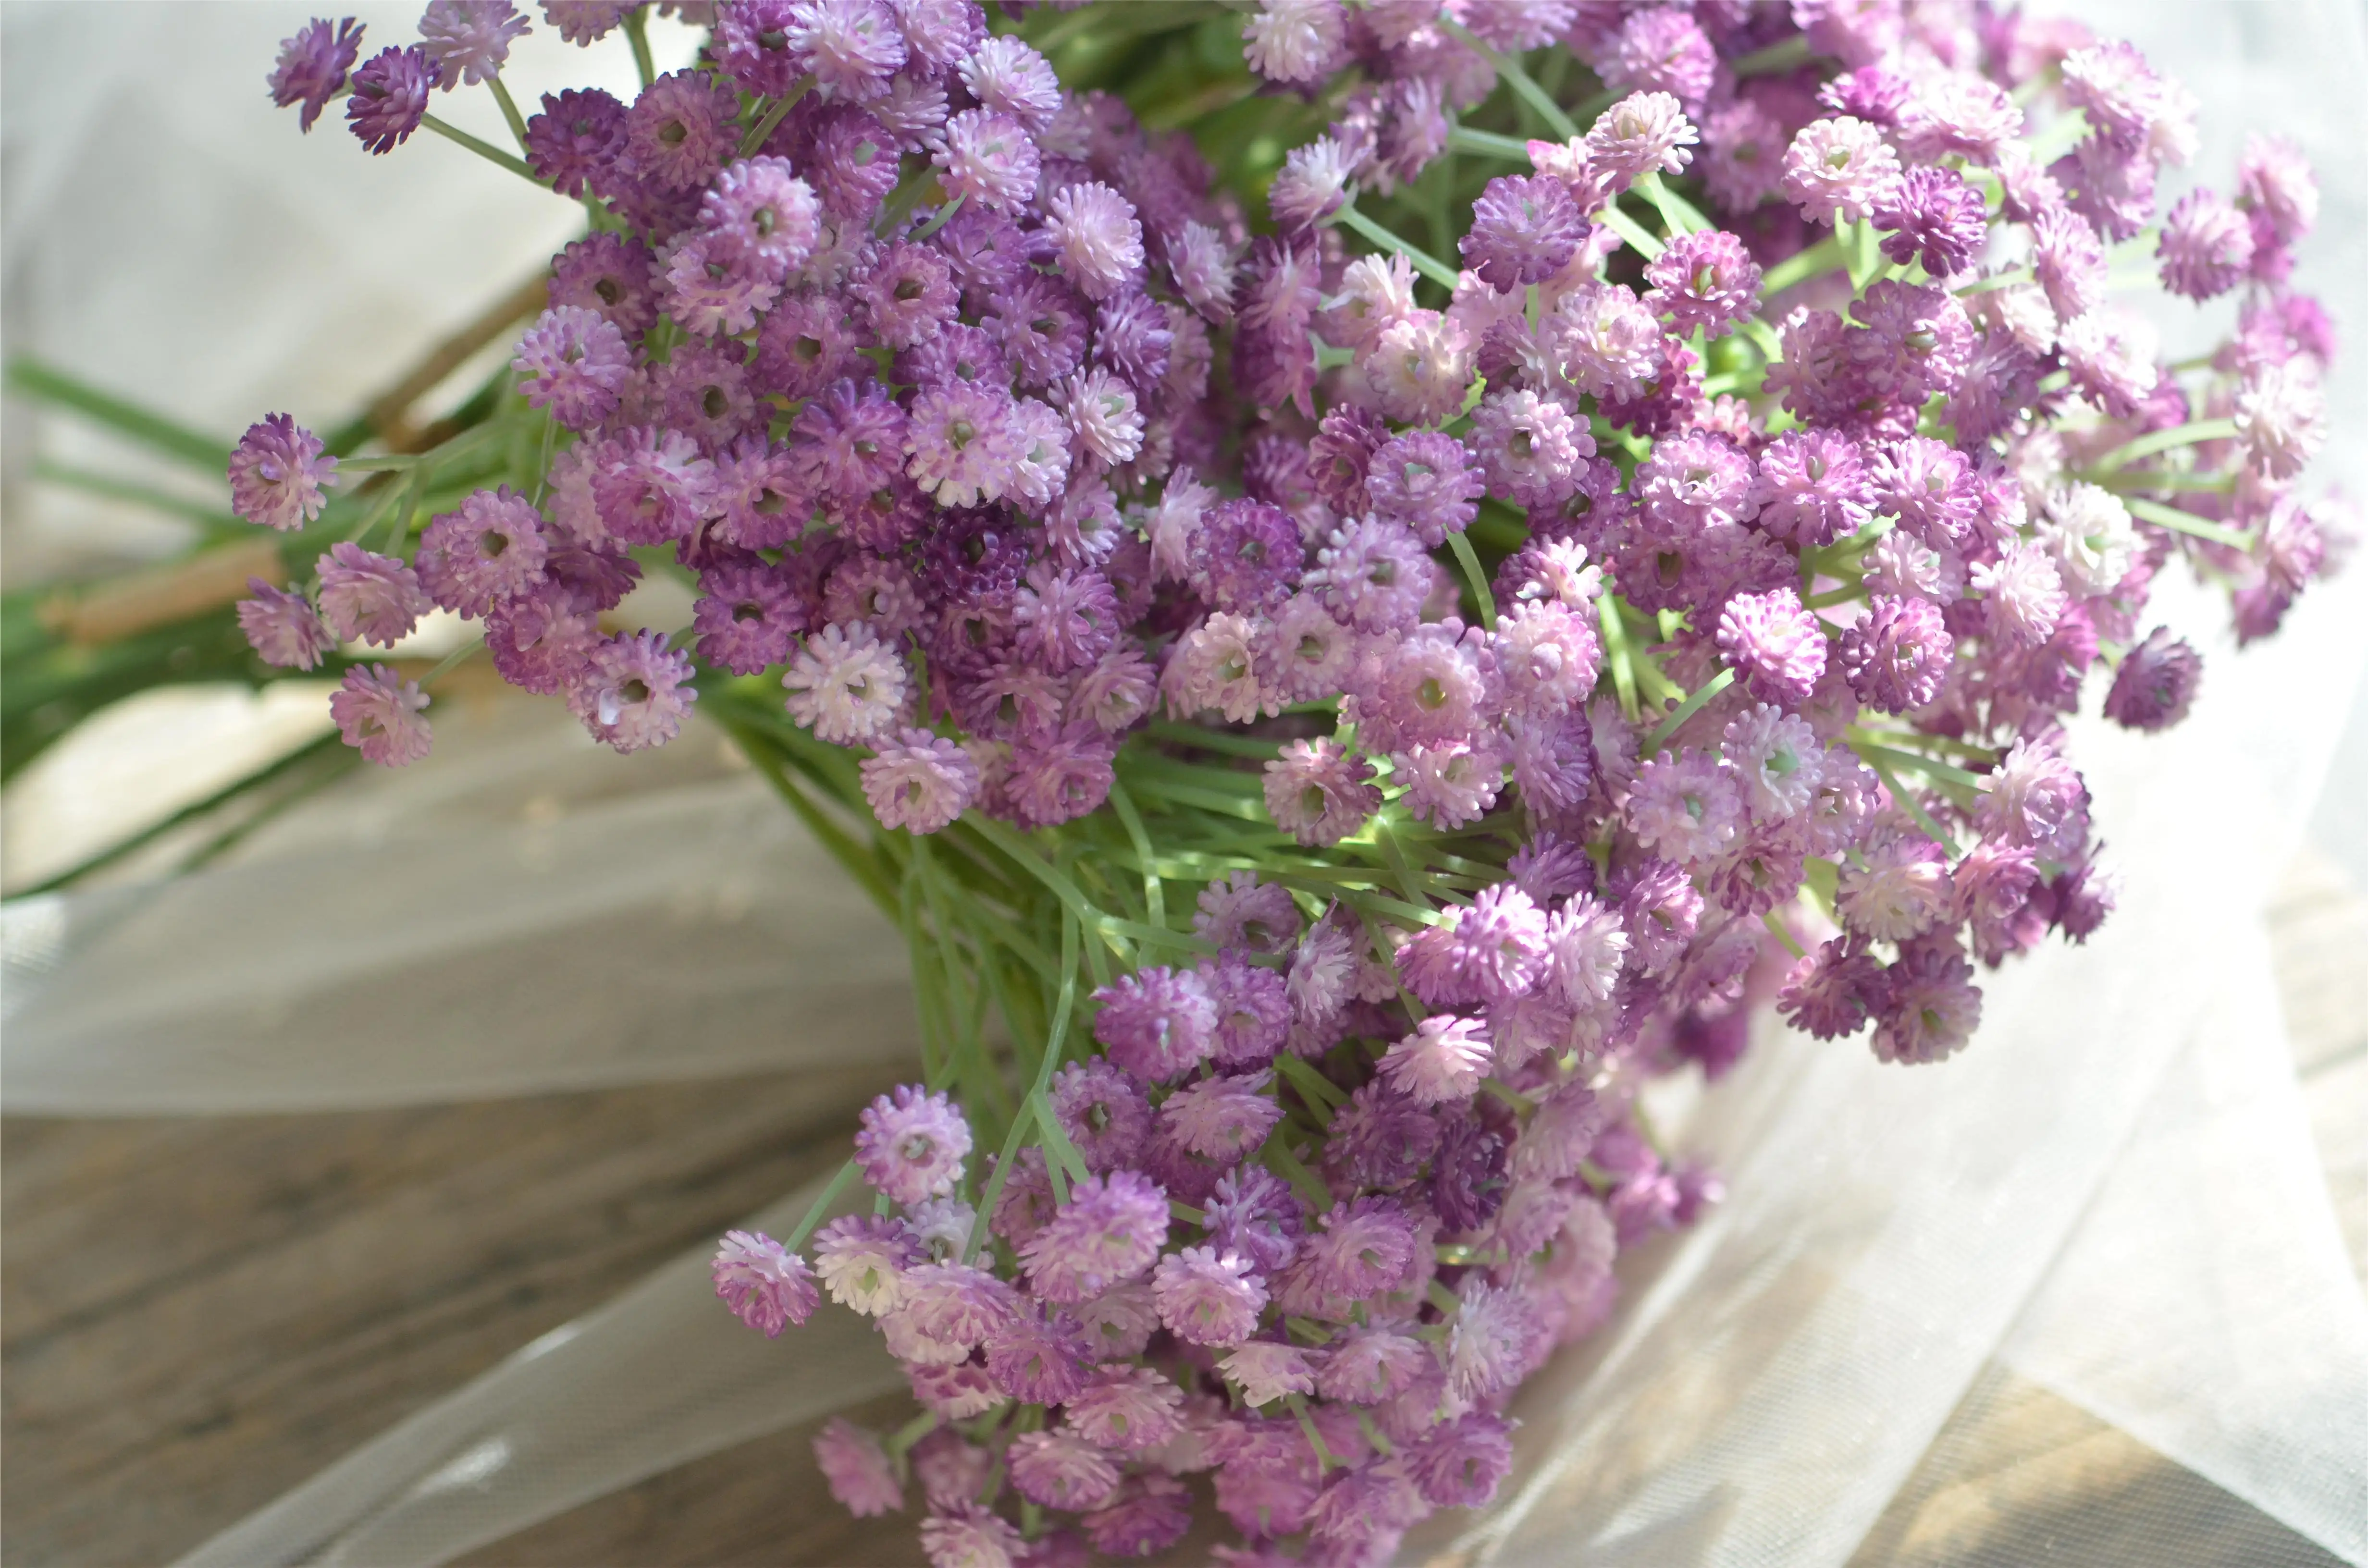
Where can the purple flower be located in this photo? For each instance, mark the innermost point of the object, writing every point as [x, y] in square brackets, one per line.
[1426, 482]
[1813, 489]
[1443, 1059]
[281, 627]
[751, 45]
[1245, 555]
[1222, 1118]
[1156, 1023]
[390, 96]
[856, 1469]
[1094, 238]
[1208, 1298]
[1294, 40]
[766, 1286]
[773, 213]
[1153, 1510]
[491, 549]
[1360, 1248]
[581, 22]
[1459, 1463]
[987, 158]
[920, 782]
[851, 440]
[378, 712]
[1318, 792]
[861, 1260]
[611, 273]
[967, 1533]
[573, 143]
[1643, 131]
[469, 39]
[1313, 183]
[1524, 230]
[658, 487]
[277, 473]
[1929, 485]
[1102, 1110]
[1494, 1341]
[852, 47]
[846, 685]
[576, 363]
[1059, 1470]
[2207, 246]
[1041, 1357]
[369, 598]
[680, 130]
[964, 441]
[1778, 647]
[2155, 683]
[1931, 1007]
[1839, 169]
[1913, 341]
[1110, 1232]
[1239, 911]
[1706, 281]
[312, 65]
[1896, 658]
[1935, 214]
[1833, 990]
[632, 692]
[1124, 1408]
[1059, 776]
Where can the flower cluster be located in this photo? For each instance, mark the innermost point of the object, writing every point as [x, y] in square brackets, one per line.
[1671, 610]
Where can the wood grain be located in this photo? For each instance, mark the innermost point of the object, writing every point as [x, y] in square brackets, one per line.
[197, 1314]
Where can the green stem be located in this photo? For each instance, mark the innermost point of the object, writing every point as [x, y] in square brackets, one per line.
[1678, 215]
[637, 31]
[1781, 932]
[1685, 710]
[1430, 266]
[1781, 56]
[1639, 238]
[819, 1206]
[485, 150]
[772, 118]
[937, 220]
[1523, 85]
[1618, 655]
[2194, 432]
[1802, 265]
[1033, 1105]
[509, 109]
[1910, 804]
[1946, 772]
[1470, 560]
[2172, 518]
[1488, 143]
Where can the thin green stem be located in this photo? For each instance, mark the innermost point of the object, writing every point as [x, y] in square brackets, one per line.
[1781, 932]
[1155, 893]
[1685, 710]
[1639, 238]
[1947, 773]
[2172, 518]
[1914, 808]
[1488, 143]
[485, 150]
[1429, 265]
[1469, 560]
[1032, 1106]
[937, 220]
[771, 119]
[1680, 216]
[637, 31]
[2194, 432]
[1776, 57]
[509, 109]
[1524, 86]
[819, 1206]
[1622, 658]
[1802, 265]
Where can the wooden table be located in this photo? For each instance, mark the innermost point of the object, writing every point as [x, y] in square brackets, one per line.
[196, 1314]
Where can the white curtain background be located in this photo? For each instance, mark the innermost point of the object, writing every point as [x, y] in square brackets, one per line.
[2115, 1194]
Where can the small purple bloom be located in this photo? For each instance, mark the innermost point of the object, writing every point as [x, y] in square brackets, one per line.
[277, 473]
[390, 96]
[378, 712]
[766, 1286]
[312, 66]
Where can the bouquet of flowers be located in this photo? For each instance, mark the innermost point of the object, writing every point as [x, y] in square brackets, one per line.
[1332, 721]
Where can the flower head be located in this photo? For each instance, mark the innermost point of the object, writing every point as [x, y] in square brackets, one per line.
[277, 473]
[379, 714]
[766, 1286]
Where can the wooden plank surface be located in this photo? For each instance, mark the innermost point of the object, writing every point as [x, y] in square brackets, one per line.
[197, 1314]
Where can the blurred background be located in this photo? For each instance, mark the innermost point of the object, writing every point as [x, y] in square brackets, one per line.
[198, 1312]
